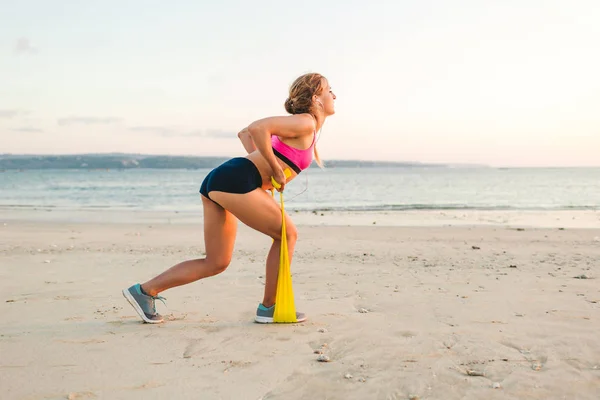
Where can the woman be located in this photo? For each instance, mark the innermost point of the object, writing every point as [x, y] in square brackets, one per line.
[237, 189]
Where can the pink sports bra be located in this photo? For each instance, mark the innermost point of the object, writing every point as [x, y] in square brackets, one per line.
[297, 159]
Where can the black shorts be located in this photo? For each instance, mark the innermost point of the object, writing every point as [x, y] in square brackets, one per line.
[238, 175]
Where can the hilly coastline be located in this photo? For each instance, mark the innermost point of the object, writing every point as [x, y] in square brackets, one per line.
[131, 161]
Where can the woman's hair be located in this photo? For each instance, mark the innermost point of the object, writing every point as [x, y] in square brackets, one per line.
[300, 98]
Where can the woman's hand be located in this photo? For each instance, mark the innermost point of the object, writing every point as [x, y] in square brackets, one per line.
[279, 179]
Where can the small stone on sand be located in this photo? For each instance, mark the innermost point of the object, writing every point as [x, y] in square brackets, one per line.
[496, 385]
[472, 372]
[323, 358]
[582, 276]
[322, 330]
[363, 310]
[348, 376]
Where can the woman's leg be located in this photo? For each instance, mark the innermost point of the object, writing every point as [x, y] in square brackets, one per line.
[219, 236]
[258, 210]
[272, 271]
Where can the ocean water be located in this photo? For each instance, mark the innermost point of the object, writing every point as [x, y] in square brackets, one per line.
[363, 189]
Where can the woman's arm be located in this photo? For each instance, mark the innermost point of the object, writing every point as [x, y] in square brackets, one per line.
[246, 140]
[292, 126]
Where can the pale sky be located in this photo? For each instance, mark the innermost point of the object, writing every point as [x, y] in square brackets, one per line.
[502, 83]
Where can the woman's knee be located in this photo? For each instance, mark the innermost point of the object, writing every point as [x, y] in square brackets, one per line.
[218, 264]
[291, 232]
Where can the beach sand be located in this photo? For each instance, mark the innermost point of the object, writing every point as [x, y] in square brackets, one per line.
[405, 305]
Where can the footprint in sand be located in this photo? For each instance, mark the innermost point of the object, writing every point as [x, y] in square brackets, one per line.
[193, 348]
[582, 365]
[407, 334]
[450, 342]
[537, 360]
[189, 350]
[89, 341]
[147, 385]
[81, 395]
[172, 317]
[213, 328]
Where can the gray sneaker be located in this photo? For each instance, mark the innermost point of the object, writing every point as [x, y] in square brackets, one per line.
[143, 304]
[264, 315]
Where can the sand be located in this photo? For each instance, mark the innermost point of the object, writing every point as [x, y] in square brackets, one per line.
[418, 305]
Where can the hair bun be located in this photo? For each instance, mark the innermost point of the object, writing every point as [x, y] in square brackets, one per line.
[289, 105]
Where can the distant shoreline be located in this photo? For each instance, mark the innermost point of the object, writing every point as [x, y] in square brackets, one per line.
[146, 161]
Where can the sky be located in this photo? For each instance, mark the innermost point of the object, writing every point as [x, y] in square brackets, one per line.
[510, 83]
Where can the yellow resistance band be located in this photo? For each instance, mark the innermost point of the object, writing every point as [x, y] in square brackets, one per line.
[285, 309]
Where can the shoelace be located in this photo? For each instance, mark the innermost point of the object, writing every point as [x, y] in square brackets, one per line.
[154, 304]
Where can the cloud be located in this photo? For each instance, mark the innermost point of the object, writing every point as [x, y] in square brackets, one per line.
[27, 130]
[10, 113]
[23, 46]
[209, 133]
[88, 121]
[155, 130]
[219, 134]
[173, 132]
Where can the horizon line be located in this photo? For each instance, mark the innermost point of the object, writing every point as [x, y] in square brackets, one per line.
[440, 163]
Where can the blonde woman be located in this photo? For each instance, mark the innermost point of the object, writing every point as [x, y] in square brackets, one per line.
[237, 190]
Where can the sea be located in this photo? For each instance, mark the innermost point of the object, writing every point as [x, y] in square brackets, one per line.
[342, 189]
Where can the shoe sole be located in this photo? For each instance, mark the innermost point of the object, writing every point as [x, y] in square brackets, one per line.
[138, 309]
[269, 320]
[263, 320]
